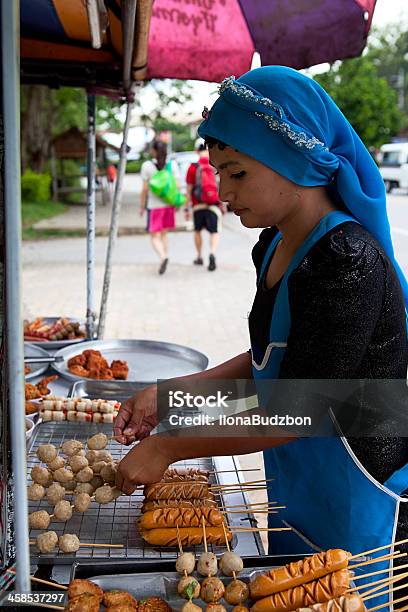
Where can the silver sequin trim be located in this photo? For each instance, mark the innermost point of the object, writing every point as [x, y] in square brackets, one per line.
[300, 139]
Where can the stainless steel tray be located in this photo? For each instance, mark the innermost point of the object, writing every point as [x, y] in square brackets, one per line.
[95, 389]
[53, 345]
[148, 360]
[113, 523]
[36, 369]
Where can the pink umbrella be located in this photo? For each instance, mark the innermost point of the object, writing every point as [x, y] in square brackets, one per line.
[210, 39]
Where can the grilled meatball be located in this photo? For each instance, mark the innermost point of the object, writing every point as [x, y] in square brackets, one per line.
[57, 463]
[70, 486]
[92, 456]
[63, 510]
[40, 475]
[77, 463]
[187, 584]
[236, 592]
[98, 466]
[78, 587]
[84, 487]
[240, 609]
[55, 493]
[82, 502]
[69, 543]
[39, 520]
[35, 492]
[214, 607]
[97, 442]
[72, 447]
[63, 475]
[46, 542]
[189, 606]
[207, 564]
[46, 453]
[121, 608]
[108, 473]
[83, 603]
[84, 475]
[116, 598]
[96, 482]
[230, 563]
[104, 495]
[212, 590]
[185, 563]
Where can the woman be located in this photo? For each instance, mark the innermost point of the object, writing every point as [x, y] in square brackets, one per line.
[160, 216]
[329, 305]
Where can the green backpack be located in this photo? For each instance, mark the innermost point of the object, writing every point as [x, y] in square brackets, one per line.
[163, 185]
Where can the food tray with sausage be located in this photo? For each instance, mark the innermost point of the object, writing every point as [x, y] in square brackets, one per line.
[113, 522]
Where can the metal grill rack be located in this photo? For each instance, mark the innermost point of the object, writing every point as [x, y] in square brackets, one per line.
[115, 523]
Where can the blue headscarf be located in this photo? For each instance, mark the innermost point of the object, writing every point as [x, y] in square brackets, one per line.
[288, 122]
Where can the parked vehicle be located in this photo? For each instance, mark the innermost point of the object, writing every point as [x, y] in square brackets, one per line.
[394, 165]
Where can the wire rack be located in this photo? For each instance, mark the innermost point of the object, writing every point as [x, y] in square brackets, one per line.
[113, 523]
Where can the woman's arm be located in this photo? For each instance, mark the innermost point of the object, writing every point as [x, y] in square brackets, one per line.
[138, 416]
[143, 196]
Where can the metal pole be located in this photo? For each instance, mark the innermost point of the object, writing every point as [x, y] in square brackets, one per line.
[90, 218]
[10, 19]
[113, 231]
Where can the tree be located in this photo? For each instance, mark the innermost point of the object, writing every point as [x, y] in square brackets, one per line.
[47, 112]
[366, 99]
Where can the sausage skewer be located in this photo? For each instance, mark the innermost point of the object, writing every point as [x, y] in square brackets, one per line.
[180, 546]
[87, 544]
[373, 550]
[41, 581]
[383, 571]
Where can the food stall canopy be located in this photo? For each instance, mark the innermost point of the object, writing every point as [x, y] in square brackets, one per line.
[212, 39]
[94, 44]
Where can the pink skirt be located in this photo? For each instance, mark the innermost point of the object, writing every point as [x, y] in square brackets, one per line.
[159, 219]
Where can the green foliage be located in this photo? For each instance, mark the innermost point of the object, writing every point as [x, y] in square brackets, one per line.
[134, 166]
[35, 187]
[366, 99]
[32, 212]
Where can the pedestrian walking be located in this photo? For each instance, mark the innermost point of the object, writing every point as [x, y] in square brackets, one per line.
[330, 303]
[160, 215]
[203, 201]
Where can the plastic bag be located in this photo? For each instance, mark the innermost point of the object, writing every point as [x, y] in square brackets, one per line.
[164, 185]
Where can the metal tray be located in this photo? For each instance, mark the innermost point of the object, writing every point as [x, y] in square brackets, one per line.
[53, 345]
[148, 580]
[113, 523]
[95, 389]
[32, 350]
[148, 360]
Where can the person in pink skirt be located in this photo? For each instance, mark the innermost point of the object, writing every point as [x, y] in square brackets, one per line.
[160, 216]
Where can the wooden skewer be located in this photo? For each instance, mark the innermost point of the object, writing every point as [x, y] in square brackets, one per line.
[43, 605]
[373, 550]
[255, 511]
[390, 603]
[384, 571]
[41, 581]
[243, 490]
[395, 555]
[233, 471]
[180, 546]
[253, 505]
[252, 529]
[228, 546]
[244, 484]
[204, 534]
[382, 593]
[382, 581]
[33, 543]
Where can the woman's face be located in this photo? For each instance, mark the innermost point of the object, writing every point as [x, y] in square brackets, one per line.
[257, 194]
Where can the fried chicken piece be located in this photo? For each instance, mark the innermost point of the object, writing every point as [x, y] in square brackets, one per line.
[42, 386]
[27, 369]
[116, 598]
[120, 369]
[153, 604]
[78, 370]
[121, 608]
[96, 360]
[77, 360]
[83, 603]
[79, 586]
[106, 374]
[31, 392]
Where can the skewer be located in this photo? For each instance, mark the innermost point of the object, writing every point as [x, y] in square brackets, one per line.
[392, 589]
[180, 546]
[399, 567]
[257, 511]
[396, 555]
[243, 490]
[382, 582]
[390, 603]
[244, 484]
[204, 535]
[233, 471]
[252, 529]
[373, 550]
[32, 543]
[257, 504]
[228, 546]
[41, 581]
[43, 605]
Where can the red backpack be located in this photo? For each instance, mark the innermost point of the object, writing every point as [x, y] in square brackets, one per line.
[205, 188]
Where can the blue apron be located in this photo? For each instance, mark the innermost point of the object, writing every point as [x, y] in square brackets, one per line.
[332, 501]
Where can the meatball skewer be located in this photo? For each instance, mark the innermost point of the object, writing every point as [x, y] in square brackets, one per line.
[188, 587]
[68, 543]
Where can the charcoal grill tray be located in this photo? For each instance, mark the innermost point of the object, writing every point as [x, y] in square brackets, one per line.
[112, 523]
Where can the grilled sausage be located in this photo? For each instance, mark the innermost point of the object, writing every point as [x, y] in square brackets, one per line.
[298, 572]
[171, 490]
[189, 536]
[182, 503]
[181, 517]
[346, 603]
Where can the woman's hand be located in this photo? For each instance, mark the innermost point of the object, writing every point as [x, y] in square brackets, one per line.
[145, 463]
[137, 416]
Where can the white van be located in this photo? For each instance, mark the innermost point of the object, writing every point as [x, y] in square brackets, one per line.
[394, 165]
